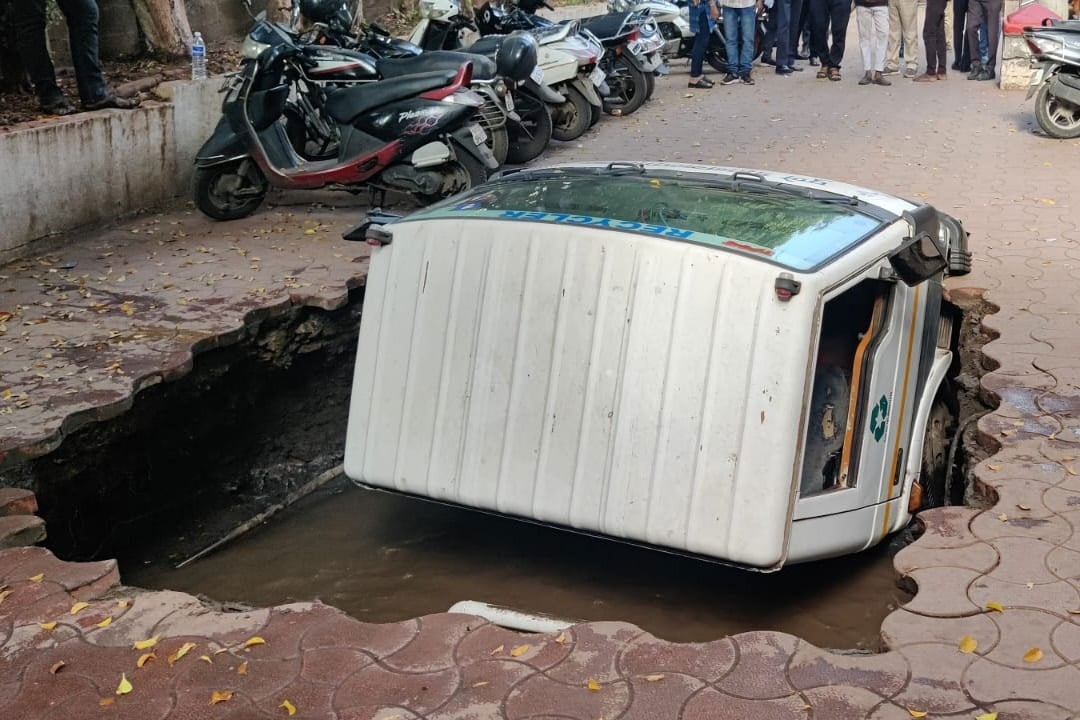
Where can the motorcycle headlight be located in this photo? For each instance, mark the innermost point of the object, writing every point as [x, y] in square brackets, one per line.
[251, 49]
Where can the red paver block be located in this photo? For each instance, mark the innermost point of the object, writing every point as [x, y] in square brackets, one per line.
[21, 530]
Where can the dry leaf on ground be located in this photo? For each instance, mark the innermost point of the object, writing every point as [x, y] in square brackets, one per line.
[181, 652]
[220, 696]
[995, 606]
[968, 644]
[145, 658]
[254, 641]
[1033, 655]
[145, 644]
[519, 651]
[78, 606]
[47, 625]
[125, 685]
[289, 707]
[56, 667]
[592, 684]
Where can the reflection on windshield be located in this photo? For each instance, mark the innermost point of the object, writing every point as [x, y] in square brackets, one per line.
[797, 232]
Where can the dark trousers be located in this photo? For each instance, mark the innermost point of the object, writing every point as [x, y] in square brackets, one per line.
[824, 13]
[781, 16]
[989, 12]
[82, 21]
[796, 17]
[701, 43]
[933, 35]
[799, 11]
[961, 50]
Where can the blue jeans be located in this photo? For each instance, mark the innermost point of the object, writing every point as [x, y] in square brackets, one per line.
[701, 44]
[739, 26]
[82, 21]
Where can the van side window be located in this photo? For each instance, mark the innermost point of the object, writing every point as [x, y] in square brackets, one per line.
[851, 325]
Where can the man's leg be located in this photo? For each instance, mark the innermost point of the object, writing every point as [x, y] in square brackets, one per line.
[795, 24]
[909, 22]
[993, 31]
[974, 21]
[782, 9]
[948, 25]
[30, 22]
[82, 20]
[840, 14]
[864, 20]
[819, 28]
[892, 50]
[746, 18]
[961, 49]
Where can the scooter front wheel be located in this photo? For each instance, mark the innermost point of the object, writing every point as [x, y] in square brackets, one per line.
[1057, 118]
[229, 191]
[529, 137]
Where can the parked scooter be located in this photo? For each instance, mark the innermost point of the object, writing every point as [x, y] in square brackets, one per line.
[631, 41]
[345, 59]
[566, 65]
[415, 134]
[1055, 82]
[674, 21]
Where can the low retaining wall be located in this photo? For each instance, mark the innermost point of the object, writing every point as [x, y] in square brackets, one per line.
[91, 167]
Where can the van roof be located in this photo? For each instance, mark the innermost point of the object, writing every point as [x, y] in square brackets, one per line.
[796, 222]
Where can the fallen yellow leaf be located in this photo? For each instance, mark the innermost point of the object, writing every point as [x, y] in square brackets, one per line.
[122, 603]
[242, 670]
[254, 641]
[289, 707]
[987, 716]
[1070, 470]
[1033, 655]
[48, 625]
[206, 659]
[105, 702]
[519, 651]
[995, 606]
[104, 623]
[37, 578]
[592, 684]
[1047, 201]
[125, 685]
[654, 678]
[497, 650]
[917, 713]
[78, 606]
[482, 683]
[995, 468]
[145, 644]
[181, 652]
[56, 666]
[220, 696]
[561, 638]
[1003, 517]
[968, 644]
[4, 595]
[1023, 507]
[145, 658]
[309, 231]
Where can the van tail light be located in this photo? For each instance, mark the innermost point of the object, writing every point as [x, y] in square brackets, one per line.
[786, 287]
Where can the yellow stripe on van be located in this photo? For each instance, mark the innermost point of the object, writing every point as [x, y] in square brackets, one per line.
[903, 407]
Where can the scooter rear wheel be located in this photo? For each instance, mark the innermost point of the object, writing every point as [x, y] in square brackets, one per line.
[230, 191]
[716, 55]
[629, 88]
[462, 173]
[1057, 118]
[573, 117]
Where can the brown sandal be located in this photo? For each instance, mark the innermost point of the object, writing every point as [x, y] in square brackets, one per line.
[834, 74]
[926, 77]
[822, 73]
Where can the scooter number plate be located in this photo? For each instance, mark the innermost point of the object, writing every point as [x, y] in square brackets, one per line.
[597, 77]
[537, 75]
[509, 100]
[479, 135]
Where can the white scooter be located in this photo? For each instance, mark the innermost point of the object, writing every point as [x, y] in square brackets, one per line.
[567, 63]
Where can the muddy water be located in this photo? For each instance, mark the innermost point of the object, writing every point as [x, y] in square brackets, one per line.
[384, 558]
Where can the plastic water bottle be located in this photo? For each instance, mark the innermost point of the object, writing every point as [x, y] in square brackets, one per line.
[198, 58]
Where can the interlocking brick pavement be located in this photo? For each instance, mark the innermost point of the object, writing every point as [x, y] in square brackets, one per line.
[966, 147]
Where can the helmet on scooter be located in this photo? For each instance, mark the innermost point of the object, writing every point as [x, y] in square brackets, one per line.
[517, 54]
[334, 13]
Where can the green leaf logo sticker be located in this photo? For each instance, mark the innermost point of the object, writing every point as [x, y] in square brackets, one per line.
[878, 418]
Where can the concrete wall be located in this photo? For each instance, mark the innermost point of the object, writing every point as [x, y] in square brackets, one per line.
[92, 167]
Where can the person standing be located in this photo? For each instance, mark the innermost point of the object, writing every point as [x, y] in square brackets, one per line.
[903, 24]
[872, 17]
[985, 15]
[933, 36]
[703, 14]
[739, 19]
[961, 49]
[829, 18]
[82, 22]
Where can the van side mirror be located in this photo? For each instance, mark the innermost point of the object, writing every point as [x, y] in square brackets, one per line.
[920, 256]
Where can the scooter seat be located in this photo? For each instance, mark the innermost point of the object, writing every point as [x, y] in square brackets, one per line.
[345, 104]
[1071, 25]
[483, 67]
[605, 26]
[487, 46]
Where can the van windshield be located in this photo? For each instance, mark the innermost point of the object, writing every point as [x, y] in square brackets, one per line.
[796, 231]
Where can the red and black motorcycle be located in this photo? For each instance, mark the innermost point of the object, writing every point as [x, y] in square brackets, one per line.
[416, 134]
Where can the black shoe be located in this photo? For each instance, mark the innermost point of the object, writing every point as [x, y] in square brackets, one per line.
[976, 68]
[795, 68]
[699, 84]
[730, 79]
[801, 56]
[986, 73]
[814, 61]
[746, 79]
[784, 70]
[55, 105]
[767, 60]
[112, 101]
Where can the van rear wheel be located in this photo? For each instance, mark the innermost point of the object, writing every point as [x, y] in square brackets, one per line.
[940, 427]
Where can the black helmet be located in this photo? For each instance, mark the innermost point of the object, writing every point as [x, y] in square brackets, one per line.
[334, 13]
[516, 56]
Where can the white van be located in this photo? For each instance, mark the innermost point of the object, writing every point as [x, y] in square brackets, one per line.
[741, 365]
